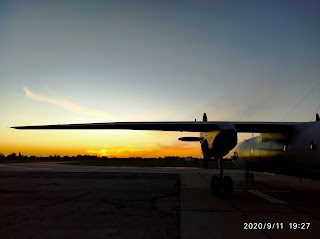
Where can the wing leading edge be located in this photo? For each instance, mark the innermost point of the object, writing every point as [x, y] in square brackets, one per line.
[188, 126]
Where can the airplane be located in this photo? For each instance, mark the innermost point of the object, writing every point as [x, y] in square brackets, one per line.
[288, 148]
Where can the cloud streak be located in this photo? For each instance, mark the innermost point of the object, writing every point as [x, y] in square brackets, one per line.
[67, 105]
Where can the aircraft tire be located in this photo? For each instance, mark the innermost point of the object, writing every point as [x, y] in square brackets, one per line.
[215, 185]
[251, 177]
[227, 186]
[246, 176]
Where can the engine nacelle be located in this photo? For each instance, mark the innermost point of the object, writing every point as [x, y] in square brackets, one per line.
[219, 142]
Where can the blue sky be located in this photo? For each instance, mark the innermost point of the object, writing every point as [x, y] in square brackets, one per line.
[96, 61]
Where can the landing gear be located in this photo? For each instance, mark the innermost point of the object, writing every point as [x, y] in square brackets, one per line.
[218, 187]
[222, 184]
[246, 176]
[249, 176]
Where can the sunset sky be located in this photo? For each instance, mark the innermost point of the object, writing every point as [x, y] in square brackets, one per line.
[99, 61]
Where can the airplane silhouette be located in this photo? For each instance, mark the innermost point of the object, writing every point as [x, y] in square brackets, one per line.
[288, 148]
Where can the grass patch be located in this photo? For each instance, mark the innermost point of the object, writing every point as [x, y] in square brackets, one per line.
[128, 163]
[146, 163]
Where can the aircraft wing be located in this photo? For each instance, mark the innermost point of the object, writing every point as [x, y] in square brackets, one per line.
[188, 126]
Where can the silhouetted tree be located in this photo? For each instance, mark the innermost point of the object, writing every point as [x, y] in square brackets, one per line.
[57, 157]
[12, 156]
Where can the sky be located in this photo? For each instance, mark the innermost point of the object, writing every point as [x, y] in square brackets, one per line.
[101, 61]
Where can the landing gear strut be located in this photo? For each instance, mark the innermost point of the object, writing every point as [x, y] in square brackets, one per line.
[249, 176]
[222, 184]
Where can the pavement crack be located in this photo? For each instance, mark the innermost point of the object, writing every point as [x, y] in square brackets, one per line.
[202, 178]
[66, 214]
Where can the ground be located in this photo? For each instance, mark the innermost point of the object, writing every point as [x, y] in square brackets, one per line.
[50, 200]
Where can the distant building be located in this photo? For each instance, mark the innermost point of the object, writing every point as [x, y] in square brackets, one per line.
[189, 158]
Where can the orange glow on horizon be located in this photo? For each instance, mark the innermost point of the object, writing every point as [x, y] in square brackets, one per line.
[121, 144]
[160, 151]
[118, 152]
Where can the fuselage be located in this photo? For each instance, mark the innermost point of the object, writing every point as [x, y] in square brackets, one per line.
[297, 154]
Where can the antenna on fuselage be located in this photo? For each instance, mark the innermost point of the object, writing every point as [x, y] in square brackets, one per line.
[317, 117]
[205, 117]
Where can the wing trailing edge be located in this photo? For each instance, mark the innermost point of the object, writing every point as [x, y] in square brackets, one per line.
[187, 126]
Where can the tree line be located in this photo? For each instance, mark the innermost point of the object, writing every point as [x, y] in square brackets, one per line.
[19, 156]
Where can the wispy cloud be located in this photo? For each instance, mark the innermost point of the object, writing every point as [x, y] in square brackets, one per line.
[67, 105]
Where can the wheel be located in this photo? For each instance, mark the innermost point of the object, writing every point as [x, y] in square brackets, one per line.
[227, 185]
[251, 177]
[246, 176]
[215, 185]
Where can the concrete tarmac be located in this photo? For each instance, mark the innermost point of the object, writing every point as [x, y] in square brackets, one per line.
[51, 200]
